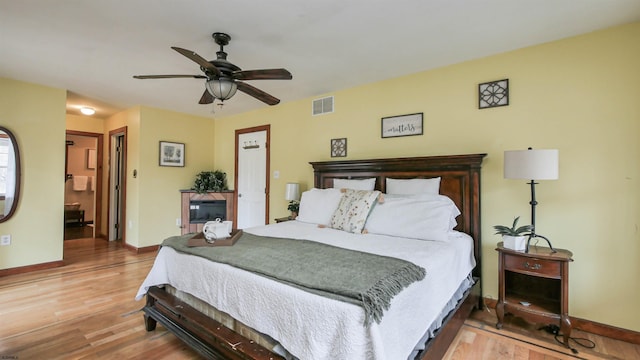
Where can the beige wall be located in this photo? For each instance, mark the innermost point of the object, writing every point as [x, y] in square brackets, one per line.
[92, 124]
[153, 197]
[578, 95]
[36, 116]
[159, 186]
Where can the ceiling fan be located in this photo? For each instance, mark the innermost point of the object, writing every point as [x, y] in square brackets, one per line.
[224, 78]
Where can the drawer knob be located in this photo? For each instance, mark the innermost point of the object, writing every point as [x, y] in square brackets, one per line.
[533, 267]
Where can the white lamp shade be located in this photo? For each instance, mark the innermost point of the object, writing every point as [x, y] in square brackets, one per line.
[292, 192]
[532, 164]
[222, 89]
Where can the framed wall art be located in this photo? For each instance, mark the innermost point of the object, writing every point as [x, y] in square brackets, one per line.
[402, 125]
[91, 158]
[339, 147]
[171, 154]
[493, 94]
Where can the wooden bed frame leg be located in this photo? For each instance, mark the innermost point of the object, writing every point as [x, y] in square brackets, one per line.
[149, 322]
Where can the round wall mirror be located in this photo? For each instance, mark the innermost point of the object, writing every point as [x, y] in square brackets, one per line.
[9, 174]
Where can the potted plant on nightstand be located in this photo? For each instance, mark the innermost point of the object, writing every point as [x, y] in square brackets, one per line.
[294, 207]
[514, 238]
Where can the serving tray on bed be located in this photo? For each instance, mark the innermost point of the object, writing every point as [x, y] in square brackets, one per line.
[199, 240]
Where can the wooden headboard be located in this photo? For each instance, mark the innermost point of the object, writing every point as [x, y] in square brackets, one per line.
[460, 180]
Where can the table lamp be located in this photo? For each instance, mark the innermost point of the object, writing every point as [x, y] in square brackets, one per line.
[538, 164]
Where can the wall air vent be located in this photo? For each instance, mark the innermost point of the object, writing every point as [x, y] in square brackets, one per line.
[322, 106]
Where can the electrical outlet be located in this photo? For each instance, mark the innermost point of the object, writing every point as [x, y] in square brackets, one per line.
[5, 240]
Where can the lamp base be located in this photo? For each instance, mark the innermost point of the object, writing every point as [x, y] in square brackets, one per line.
[531, 236]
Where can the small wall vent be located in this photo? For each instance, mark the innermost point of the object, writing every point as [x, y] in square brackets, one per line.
[322, 106]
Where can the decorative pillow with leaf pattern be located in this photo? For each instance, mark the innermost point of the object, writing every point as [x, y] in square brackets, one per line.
[353, 210]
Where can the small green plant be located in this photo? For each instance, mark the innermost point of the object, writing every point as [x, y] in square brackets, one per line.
[513, 231]
[210, 181]
[294, 206]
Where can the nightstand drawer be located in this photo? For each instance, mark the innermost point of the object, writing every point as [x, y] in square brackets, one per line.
[524, 264]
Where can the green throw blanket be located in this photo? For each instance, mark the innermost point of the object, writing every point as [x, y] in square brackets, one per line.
[368, 280]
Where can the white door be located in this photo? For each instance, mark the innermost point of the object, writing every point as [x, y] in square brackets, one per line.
[252, 179]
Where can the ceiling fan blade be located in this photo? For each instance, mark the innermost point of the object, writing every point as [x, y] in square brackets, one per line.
[168, 76]
[257, 93]
[206, 98]
[197, 59]
[263, 74]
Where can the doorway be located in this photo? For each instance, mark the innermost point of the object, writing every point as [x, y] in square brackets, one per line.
[252, 176]
[83, 185]
[117, 184]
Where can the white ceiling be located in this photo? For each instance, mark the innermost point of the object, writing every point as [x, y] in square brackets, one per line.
[93, 48]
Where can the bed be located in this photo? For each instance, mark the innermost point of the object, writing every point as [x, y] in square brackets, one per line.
[331, 328]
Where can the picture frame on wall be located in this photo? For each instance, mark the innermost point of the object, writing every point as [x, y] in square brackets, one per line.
[402, 125]
[171, 154]
[91, 159]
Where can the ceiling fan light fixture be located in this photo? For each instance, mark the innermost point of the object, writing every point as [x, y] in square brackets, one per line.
[224, 78]
[222, 89]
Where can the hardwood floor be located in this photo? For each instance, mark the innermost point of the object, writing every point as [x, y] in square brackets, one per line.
[73, 231]
[518, 339]
[86, 310]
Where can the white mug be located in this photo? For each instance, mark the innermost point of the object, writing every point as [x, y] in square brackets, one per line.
[214, 230]
[229, 224]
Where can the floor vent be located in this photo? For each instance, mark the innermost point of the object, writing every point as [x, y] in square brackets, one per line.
[322, 106]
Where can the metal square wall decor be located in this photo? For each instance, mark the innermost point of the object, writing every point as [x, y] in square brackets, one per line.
[339, 147]
[493, 94]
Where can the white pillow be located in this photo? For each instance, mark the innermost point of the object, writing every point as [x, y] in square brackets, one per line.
[424, 217]
[359, 184]
[318, 205]
[431, 197]
[353, 210]
[413, 186]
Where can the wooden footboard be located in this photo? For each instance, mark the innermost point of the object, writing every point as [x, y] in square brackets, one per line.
[213, 340]
[208, 337]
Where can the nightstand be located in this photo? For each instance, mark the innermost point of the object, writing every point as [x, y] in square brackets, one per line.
[535, 286]
[283, 219]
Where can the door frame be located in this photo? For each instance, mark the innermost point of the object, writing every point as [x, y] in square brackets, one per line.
[239, 132]
[97, 206]
[123, 191]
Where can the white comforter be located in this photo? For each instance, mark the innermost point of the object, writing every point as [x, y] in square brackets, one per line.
[314, 327]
